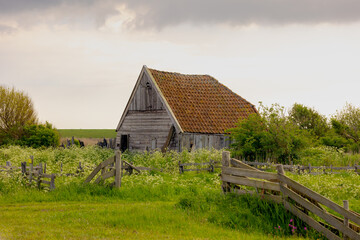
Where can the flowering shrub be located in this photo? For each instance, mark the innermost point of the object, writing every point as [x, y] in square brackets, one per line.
[168, 161]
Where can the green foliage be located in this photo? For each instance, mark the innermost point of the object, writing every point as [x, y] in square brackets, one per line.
[321, 156]
[168, 161]
[250, 137]
[309, 119]
[269, 135]
[346, 123]
[41, 135]
[16, 111]
[280, 137]
[19, 123]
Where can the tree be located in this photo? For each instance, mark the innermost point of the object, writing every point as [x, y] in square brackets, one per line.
[346, 123]
[16, 111]
[270, 134]
[309, 119]
[249, 137]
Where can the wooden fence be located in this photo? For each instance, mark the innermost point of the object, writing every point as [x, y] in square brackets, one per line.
[33, 173]
[115, 167]
[303, 169]
[296, 198]
[110, 143]
[38, 174]
[108, 171]
[208, 166]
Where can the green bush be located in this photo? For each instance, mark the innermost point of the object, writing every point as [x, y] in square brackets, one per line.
[41, 135]
[34, 135]
[269, 135]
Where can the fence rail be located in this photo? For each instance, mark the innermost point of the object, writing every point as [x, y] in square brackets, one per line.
[295, 197]
[209, 166]
[303, 169]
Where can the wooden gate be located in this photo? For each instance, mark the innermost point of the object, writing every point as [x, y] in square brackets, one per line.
[279, 188]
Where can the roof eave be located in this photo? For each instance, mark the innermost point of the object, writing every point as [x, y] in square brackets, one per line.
[130, 99]
[162, 97]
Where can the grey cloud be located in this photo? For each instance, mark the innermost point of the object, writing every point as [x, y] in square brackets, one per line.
[162, 13]
[4, 29]
[16, 6]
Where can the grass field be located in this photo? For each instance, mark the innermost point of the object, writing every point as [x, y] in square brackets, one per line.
[87, 133]
[110, 220]
[146, 207]
[155, 205]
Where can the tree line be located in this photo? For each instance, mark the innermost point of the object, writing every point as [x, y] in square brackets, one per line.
[19, 124]
[279, 135]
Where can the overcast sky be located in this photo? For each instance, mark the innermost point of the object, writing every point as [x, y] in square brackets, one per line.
[79, 60]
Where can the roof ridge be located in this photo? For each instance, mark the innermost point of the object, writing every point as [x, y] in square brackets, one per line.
[161, 71]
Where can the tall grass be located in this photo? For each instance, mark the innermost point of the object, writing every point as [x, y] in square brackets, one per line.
[246, 213]
[326, 156]
[196, 194]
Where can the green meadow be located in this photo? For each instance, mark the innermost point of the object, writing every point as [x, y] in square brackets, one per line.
[150, 205]
[87, 133]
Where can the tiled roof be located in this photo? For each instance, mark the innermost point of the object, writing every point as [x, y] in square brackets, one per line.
[200, 103]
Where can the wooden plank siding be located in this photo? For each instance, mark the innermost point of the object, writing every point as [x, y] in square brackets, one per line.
[198, 140]
[146, 122]
[145, 126]
[145, 97]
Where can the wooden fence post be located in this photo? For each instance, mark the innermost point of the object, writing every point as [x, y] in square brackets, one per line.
[44, 167]
[39, 181]
[346, 220]
[280, 171]
[31, 168]
[211, 164]
[23, 168]
[52, 182]
[225, 161]
[181, 168]
[40, 170]
[118, 169]
[8, 164]
[309, 168]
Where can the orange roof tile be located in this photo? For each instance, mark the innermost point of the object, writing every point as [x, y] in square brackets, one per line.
[200, 103]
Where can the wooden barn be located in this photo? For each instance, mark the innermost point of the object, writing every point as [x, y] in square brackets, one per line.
[175, 111]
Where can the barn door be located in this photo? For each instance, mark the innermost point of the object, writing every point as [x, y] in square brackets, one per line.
[124, 142]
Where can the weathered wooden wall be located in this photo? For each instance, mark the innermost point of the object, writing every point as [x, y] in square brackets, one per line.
[146, 129]
[147, 123]
[208, 141]
[146, 97]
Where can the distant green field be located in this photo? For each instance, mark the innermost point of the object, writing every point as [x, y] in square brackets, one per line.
[87, 133]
